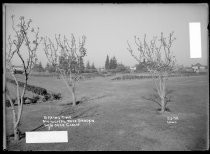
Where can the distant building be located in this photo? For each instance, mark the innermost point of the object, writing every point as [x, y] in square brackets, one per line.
[133, 69]
[199, 68]
[188, 69]
[18, 69]
[101, 69]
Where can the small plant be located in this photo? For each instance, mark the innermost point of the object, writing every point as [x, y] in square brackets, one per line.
[47, 97]
[56, 96]
[35, 99]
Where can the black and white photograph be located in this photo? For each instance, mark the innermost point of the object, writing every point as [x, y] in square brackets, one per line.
[105, 77]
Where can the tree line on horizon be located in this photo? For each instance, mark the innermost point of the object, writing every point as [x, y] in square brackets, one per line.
[63, 63]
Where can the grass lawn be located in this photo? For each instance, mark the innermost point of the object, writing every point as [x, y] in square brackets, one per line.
[124, 120]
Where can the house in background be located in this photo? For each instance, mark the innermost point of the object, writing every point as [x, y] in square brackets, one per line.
[18, 69]
[132, 69]
[101, 69]
[199, 68]
[188, 69]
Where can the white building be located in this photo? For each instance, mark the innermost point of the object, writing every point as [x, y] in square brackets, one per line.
[133, 69]
[199, 68]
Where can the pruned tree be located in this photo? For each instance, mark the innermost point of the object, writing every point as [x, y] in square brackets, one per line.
[159, 60]
[27, 36]
[71, 54]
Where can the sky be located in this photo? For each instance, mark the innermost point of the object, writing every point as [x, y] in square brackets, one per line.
[108, 27]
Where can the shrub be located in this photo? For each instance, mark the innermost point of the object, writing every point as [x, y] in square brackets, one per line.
[56, 96]
[35, 99]
[47, 97]
[34, 89]
[37, 90]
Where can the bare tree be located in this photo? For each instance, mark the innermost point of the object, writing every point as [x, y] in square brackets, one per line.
[28, 37]
[72, 55]
[160, 61]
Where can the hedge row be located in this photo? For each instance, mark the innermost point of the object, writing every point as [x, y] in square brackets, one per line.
[34, 89]
[131, 77]
[36, 99]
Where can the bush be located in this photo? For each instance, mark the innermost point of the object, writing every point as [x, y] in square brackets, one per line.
[34, 89]
[35, 99]
[131, 77]
[90, 70]
[47, 97]
[37, 90]
[56, 96]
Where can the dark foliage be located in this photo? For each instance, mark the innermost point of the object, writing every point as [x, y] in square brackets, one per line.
[34, 89]
[56, 96]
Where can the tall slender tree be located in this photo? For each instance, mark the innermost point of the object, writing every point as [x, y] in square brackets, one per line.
[114, 63]
[88, 65]
[93, 66]
[82, 66]
[107, 63]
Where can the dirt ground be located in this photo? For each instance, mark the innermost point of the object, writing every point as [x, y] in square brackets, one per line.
[123, 119]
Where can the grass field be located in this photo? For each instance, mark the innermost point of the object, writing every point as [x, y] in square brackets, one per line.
[124, 120]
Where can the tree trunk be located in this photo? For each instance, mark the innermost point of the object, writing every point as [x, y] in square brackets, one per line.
[162, 93]
[20, 109]
[15, 129]
[162, 104]
[73, 95]
[16, 134]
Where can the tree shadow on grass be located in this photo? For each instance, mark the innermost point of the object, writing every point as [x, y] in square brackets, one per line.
[85, 99]
[11, 136]
[79, 111]
[155, 98]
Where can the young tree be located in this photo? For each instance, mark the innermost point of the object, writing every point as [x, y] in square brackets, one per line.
[159, 59]
[47, 67]
[114, 63]
[88, 65]
[111, 64]
[121, 68]
[50, 68]
[107, 63]
[93, 66]
[73, 54]
[25, 35]
[141, 67]
[38, 67]
[41, 69]
[82, 66]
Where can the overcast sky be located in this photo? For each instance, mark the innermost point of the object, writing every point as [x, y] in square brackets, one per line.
[109, 26]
